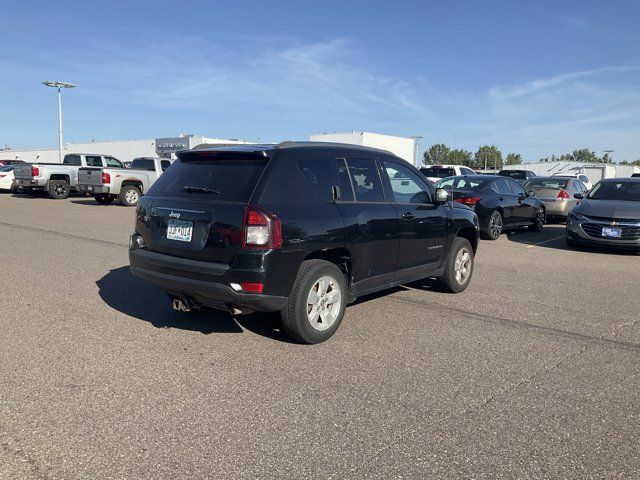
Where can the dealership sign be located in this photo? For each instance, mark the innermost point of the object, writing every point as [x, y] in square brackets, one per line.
[168, 145]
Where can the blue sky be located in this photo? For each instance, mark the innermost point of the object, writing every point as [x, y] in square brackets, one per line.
[530, 77]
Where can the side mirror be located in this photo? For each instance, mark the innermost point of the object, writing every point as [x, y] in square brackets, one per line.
[579, 196]
[441, 195]
[522, 196]
[531, 193]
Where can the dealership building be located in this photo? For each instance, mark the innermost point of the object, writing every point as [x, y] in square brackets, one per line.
[403, 147]
[124, 150]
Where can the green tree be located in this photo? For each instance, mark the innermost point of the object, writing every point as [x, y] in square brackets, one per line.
[437, 153]
[514, 159]
[459, 156]
[492, 155]
[585, 155]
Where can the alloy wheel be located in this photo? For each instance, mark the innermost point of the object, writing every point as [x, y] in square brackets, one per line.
[462, 266]
[324, 302]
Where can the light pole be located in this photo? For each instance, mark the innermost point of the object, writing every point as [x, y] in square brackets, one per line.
[608, 154]
[59, 86]
[416, 141]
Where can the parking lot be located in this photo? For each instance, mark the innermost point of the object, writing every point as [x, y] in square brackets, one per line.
[533, 372]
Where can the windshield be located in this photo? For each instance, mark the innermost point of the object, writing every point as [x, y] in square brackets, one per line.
[623, 191]
[143, 164]
[557, 182]
[461, 183]
[438, 172]
[232, 179]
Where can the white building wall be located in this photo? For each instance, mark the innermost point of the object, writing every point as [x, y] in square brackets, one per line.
[595, 171]
[124, 150]
[403, 147]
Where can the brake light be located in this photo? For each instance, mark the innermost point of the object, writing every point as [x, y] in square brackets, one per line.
[106, 178]
[468, 200]
[563, 194]
[261, 229]
[35, 171]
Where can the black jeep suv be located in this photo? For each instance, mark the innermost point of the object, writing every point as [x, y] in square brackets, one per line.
[299, 228]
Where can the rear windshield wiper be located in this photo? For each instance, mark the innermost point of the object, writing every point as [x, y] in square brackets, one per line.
[200, 190]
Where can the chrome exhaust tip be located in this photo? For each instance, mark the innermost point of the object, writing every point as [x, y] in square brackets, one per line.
[180, 305]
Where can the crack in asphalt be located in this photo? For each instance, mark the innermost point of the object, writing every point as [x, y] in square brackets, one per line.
[67, 235]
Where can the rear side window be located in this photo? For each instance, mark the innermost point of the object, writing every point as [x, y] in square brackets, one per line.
[165, 164]
[113, 162]
[143, 164]
[501, 186]
[234, 179]
[318, 175]
[346, 189]
[365, 179]
[72, 160]
[93, 161]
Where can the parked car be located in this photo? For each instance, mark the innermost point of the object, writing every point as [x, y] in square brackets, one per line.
[557, 193]
[9, 162]
[520, 176]
[580, 176]
[125, 184]
[6, 178]
[500, 203]
[299, 228]
[435, 173]
[59, 179]
[609, 215]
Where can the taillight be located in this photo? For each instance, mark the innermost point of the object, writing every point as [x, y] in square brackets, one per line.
[563, 194]
[261, 229]
[252, 287]
[35, 171]
[106, 178]
[468, 200]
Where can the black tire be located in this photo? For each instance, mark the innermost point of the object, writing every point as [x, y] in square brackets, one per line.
[295, 315]
[495, 226]
[103, 199]
[449, 280]
[129, 195]
[539, 220]
[58, 189]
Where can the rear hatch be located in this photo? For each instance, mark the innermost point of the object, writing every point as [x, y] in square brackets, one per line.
[22, 171]
[90, 176]
[196, 209]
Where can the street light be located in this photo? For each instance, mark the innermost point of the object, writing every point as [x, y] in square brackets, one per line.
[416, 140]
[59, 86]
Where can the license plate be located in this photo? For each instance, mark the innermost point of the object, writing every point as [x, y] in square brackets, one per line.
[179, 230]
[611, 232]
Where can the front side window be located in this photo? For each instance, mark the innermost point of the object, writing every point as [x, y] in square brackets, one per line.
[515, 187]
[93, 161]
[365, 179]
[165, 164]
[406, 185]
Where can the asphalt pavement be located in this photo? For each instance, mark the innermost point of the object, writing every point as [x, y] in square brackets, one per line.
[533, 372]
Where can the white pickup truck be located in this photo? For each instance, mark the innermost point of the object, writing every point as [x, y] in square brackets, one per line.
[126, 184]
[59, 179]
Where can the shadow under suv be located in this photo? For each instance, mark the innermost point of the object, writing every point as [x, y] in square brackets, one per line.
[299, 228]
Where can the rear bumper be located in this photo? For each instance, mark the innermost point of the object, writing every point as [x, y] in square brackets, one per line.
[94, 189]
[202, 282]
[29, 183]
[558, 208]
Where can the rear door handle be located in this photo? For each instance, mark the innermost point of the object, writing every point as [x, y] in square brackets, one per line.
[408, 216]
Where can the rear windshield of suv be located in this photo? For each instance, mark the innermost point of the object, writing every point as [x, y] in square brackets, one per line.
[438, 172]
[225, 179]
[515, 174]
